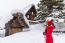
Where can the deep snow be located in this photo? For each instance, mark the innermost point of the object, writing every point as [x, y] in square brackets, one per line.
[35, 35]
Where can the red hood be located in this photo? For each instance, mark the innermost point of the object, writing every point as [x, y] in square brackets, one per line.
[49, 22]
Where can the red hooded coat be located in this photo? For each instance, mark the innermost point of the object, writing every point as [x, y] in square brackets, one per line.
[48, 31]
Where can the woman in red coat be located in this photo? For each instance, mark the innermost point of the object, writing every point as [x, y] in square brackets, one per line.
[48, 31]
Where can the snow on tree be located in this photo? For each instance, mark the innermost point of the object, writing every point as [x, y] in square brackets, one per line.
[45, 7]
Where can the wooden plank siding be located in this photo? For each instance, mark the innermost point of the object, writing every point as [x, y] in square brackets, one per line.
[16, 24]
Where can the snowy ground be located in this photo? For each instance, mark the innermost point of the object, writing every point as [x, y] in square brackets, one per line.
[24, 37]
[35, 35]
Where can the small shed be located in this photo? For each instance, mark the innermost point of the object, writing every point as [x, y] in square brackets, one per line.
[30, 12]
[16, 24]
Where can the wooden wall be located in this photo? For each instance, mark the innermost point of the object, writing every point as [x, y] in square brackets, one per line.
[16, 24]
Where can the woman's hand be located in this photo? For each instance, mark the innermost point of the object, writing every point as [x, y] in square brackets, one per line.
[44, 33]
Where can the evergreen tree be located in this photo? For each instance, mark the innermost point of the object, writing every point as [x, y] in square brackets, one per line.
[45, 7]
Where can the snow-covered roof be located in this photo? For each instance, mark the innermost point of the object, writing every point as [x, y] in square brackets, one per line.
[4, 20]
[24, 10]
[27, 8]
[7, 18]
[6, 6]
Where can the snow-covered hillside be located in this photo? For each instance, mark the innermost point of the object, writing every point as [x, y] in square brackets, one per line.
[35, 35]
[24, 37]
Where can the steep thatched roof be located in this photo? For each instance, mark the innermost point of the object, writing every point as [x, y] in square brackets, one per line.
[29, 8]
[17, 21]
